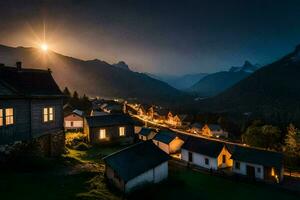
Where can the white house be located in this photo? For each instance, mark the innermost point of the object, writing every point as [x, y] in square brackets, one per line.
[135, 166]
[214, 130]
[168, 141]
[206, 153]
[74, 120]
[146, 133]
[258, 164]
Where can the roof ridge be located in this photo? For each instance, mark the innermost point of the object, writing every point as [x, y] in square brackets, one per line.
[121, 150]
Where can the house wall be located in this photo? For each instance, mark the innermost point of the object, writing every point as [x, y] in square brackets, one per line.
[110, 175]
[37, 125]
[112, 133]
[149, 137]
[162, 146]
[77, 121]
[228, 162]
[243, 169]
[154, 175]
[199, 160]
[20, 130]
[175, 145]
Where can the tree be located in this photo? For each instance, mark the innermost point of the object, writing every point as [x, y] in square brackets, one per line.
[292, 140]
[67, 92]
[266, 136]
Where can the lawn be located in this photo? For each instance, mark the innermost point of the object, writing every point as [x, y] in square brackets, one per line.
[57, 183]
[184, 183]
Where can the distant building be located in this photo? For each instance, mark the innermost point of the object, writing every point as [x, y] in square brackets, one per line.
[109, 128]
[196, 128]
[258, 164]
[31, 109]
[146, 133]
[206, 153]
[74, 121]
[168, 141]
[214, 130]
[135, 166]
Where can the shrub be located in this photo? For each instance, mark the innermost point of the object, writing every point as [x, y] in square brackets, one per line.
[81, 146]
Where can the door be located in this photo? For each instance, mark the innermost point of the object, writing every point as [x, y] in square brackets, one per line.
[190, 157]
[251, 172]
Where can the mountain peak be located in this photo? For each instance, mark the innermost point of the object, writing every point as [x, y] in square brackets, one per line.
[247, 67]
[122, 65]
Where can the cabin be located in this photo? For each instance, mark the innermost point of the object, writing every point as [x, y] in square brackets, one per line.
[205, 153]
[196, 128]
[258, 164]
[168, 141]
[214, 130]
[160, 115]
[109, 128]
[136, 166]
[74, 121]
[146, 133]
[31, 109]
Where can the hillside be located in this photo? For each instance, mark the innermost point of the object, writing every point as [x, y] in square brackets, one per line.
[93, 77]
[218, 82]
[272, 92]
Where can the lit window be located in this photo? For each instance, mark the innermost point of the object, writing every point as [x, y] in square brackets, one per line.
[48, 114]
[9, 116]
[272, 171]
[1, 117]
[102, 134]
[122, 131]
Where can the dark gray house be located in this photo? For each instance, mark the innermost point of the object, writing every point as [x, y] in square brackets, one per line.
[31, 109]
[108, 128]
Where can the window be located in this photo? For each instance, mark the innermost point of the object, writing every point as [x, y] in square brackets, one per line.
[258, 170]
[237, 165]
[1, 117]
[72, 124]
[48, 114]
[102, 134]
[190, 157]
[122, 131]
[206, 161]
[224, 159]
[9, 116]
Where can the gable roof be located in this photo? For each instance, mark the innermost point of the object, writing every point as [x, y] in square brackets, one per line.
[30, 82]
[214, 127]
[257, 156]
[108, 120]
[78, 112]
[197, 125]
[136, 159]
[165, 136]
[203, 146]
[146, 131]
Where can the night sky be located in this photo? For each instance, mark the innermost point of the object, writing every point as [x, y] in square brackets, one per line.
[166, 37]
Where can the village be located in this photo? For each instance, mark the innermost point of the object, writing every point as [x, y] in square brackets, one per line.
[33, 113]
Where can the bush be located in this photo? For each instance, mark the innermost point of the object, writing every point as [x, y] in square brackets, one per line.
[74, 139]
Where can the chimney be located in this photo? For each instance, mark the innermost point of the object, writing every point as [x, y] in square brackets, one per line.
[19, 65]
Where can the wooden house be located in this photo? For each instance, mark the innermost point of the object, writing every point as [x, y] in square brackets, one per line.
[196, 128]
[146, 133]
[135, 166]
[168, 141]
[258, 164]
[214, 130]
[74, 121]
[109, 128]
[31, 109]
[205, 153]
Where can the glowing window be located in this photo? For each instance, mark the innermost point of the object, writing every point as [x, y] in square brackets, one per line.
[102, 134]
[1, 117]
[48, 114]
[9, 116]
[122, 131]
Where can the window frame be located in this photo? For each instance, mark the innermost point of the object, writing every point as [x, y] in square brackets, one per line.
[123, 131]
[48, 117]
[9, 118]
[104, 131]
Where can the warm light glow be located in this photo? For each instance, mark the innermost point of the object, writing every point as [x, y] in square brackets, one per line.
[44, 47]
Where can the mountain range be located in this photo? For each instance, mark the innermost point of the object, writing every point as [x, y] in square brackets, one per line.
[93, 77]
[179, 82]
[272, 92]
[218, 82]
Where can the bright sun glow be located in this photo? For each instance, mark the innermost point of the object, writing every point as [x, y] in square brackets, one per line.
[44, 47]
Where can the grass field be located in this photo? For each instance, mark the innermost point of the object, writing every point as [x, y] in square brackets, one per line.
[182, 184]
